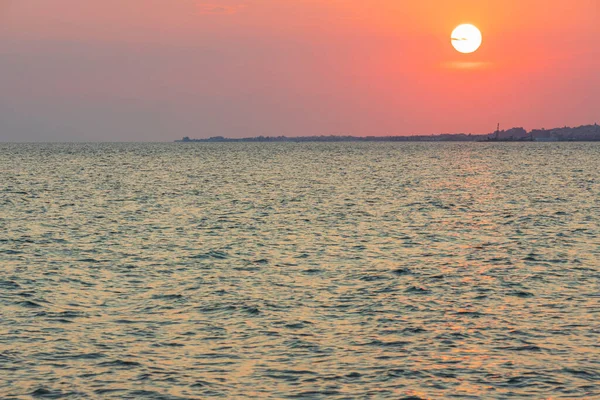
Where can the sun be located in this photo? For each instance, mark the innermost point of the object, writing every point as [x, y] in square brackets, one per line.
[466, 38]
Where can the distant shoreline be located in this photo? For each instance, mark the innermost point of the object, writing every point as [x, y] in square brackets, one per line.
[584, 133]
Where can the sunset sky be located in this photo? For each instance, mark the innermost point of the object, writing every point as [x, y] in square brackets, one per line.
[158, 70]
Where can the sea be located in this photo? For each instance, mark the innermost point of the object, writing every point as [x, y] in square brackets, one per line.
[300, 271]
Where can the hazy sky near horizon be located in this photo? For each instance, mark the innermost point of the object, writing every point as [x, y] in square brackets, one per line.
[138, 70]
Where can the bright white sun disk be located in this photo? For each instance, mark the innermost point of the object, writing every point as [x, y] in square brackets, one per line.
[466, 38]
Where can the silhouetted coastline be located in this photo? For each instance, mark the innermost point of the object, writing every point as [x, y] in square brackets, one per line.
[565, 134]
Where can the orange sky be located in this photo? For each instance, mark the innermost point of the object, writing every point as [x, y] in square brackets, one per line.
[159, 70]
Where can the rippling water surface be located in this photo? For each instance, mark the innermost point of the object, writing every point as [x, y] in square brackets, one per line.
[354, 270]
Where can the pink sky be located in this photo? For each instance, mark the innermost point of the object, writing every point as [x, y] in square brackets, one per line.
[159, 70]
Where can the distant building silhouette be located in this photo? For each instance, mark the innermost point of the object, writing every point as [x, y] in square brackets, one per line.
[580, 133]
